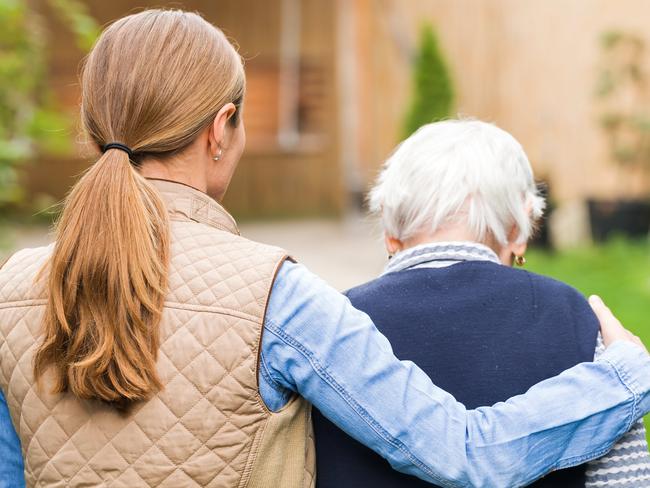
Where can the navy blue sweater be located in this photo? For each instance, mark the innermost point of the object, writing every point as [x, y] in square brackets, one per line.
[483, 332]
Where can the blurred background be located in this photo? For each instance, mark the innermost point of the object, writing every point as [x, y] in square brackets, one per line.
[334, 85]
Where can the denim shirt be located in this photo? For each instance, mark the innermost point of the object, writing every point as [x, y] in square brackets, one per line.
[11, 459]
[317, 345]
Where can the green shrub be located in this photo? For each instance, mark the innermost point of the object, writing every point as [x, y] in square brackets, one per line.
[433, 94]
[30, 120]
[623, 76]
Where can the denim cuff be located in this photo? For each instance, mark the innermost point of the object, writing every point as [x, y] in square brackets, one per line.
[632, 364]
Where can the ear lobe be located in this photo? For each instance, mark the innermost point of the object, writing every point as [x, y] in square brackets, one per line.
[515, 248]
[519, 249]
[393, 245]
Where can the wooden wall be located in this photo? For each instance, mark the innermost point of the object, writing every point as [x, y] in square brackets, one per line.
[272, 180]
[528, 65]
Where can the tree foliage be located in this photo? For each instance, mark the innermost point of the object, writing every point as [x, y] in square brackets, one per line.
[29, 118]
[623, 90]
[433, 94]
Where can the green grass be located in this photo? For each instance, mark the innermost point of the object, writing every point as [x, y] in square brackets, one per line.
[619, 272]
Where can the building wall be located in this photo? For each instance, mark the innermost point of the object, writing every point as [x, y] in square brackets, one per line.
[530, 66]
[274, 178]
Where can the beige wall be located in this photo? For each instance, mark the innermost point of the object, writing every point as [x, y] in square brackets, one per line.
[528, 65]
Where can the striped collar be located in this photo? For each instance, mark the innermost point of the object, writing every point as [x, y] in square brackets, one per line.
[440, 255]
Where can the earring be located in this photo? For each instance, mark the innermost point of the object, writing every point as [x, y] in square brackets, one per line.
[217, 157]
[520, 260]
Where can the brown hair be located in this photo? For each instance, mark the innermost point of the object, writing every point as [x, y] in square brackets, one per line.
[153, 81]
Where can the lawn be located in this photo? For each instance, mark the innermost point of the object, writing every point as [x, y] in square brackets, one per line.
[619, 272]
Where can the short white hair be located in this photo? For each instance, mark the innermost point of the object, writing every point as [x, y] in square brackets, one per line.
[458, 171]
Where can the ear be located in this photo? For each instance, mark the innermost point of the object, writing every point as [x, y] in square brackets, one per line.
[519, 249]
[217, 134]
[393, 245]
[513, 248]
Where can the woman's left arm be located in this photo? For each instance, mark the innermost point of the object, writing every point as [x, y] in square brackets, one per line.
[11, 458]
[316, 344]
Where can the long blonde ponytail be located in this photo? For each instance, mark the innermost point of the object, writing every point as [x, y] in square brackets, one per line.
[107, 283]
[153, 81]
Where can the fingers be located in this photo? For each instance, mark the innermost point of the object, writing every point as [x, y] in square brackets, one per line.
[610, 327]
[637, 340]
[601, 310]
[608, 323]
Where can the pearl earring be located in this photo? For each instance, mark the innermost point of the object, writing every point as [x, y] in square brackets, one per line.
[217, 157]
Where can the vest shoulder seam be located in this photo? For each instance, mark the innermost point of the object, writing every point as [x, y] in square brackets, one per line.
[30, 302]
[211, 309]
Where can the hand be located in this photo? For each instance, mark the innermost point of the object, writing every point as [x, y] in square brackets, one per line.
[610, 327]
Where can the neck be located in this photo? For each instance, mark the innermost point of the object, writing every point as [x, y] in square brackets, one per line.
[442, 235]
[179, 171]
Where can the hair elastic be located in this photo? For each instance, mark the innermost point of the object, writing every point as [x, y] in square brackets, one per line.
[121, 147]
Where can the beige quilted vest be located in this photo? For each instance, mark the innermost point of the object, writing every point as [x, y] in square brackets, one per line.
[208, 426]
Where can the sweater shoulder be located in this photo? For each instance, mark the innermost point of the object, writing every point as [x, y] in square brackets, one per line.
[547, 295]
[555, 301]
[550, 290]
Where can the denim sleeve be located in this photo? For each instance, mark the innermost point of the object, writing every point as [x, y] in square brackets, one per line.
[11, 457]
[317, 345]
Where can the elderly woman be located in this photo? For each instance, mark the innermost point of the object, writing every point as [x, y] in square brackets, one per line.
[458, 204]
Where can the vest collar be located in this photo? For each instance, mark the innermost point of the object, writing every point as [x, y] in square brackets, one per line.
[184, 202]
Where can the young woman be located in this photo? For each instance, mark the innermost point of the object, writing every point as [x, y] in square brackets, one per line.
[151, 345]
[458, 204]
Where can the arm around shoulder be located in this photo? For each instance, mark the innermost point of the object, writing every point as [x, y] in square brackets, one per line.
[317, 345]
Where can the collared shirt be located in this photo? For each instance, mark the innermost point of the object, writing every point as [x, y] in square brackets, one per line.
[317, 345]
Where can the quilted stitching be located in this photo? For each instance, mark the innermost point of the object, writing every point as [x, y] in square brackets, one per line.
[199, 430]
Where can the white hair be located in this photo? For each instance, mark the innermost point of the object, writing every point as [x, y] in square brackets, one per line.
[458, 171]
